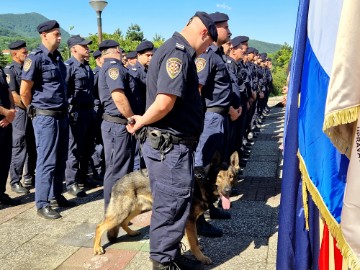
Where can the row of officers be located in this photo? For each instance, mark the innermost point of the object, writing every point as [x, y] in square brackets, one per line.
[58, 117]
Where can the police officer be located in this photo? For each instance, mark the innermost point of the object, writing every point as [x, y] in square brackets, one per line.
[174, 113]
[23, 151]
[80, 93]
[215, 86]
[97, 158]
[131, 59]
[7, 115]
[138, 71]
[115, 90]
[43, 92]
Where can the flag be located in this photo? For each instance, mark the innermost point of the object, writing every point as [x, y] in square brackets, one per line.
[342, 125]
[323, 167]
[297, 247]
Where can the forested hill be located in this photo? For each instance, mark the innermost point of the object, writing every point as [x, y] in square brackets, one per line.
[23, 25]
[264, 46]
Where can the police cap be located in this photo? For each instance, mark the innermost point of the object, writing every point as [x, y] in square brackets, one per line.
[77, 40]
[256, 51]
[17, 45]
[131, 55]
[251, 50]
[108, 43]
[263, 55]
[209, 24]
[268, 59]
[96, 54]
[47, 26]
[236, 41]
[145, 46]
[219, 17]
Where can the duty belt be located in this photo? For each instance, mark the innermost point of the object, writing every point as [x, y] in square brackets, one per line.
[60, 113]
[188, 141]
[219, 110]
[114, 119]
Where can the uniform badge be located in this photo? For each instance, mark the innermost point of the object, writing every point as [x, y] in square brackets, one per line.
[27, 64]
[200, 64]
[114, 73]
[8, 78]
[173, 67]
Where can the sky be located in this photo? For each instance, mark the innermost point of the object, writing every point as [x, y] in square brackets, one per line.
[265, 20]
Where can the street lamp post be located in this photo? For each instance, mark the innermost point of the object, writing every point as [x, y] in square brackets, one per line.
[98, 6]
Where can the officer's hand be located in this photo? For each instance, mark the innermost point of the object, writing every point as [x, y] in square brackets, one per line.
[261, 95]
[132, 128]
[234, 113]
[4, 123]
[10, 115]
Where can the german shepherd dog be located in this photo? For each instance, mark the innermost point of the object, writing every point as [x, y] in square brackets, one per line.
[131, 196]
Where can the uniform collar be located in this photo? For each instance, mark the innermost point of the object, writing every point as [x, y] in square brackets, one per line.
[184, 42]
[77, 63]
[55, 54]
[16, 64]
[112, 59]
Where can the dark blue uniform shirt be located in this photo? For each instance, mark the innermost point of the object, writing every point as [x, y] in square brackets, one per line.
[236, 82]
[4, 92]
[138, 72]
[113, 75]
[214, 77]
[172, 71]
[80, 83]
[13, 76]
[48, 72]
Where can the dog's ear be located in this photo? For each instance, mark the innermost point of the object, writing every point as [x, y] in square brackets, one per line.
[234, 161]
[216, 159]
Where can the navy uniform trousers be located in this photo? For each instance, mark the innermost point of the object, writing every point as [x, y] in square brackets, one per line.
[52, 138]
[212, 138]
[81, 144]
[5, 156]
[23, 148]
[119, 155]
[171, 181]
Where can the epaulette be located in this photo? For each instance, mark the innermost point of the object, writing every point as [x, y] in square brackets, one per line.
[228, 61]
[134, 69]
[8, 67]
[180, 46]
[112, 62]
[36, 51]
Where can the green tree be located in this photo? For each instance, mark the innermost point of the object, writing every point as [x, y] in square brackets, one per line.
[158, 40]
[280, 61]
[134, 33]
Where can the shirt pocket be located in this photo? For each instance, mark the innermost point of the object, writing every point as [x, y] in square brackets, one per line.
[48, 72]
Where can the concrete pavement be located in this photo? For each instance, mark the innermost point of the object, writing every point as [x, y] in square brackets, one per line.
[249, 241]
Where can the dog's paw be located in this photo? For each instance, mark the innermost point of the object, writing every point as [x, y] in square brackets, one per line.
[133, 233]
[205, 260]
[98, 250]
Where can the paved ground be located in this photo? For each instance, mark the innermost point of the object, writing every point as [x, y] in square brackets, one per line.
[249, 241]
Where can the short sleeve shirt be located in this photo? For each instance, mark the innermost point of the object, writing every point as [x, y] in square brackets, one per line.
[113, 75]
[48, 72]
[80, 83]
[172, 70]
[214, 78]
[13, 76]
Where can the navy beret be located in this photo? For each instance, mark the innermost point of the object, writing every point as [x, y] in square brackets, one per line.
[131, 55]
[219, 17]
[77, 40]
[108, 43]
[251, 50]
[263, 55]
[145, 46]
[47, 26]
[96, 54]
[17, 45]
[256, 51]
[236, 41]
[209, 24]
[268, 59]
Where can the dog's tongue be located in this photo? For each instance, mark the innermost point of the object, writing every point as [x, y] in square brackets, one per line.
[225, 202]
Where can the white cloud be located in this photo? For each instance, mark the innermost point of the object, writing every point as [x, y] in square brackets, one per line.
[223, 6]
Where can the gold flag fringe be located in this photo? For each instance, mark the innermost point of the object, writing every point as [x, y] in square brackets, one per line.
[305, 204]
[337, 118]
[335, 229]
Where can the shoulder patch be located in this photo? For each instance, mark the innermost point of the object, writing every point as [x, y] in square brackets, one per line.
[8, 78]
[173, 67]
[200, 64]
[27, 64]
[113, 73]
[180, 46]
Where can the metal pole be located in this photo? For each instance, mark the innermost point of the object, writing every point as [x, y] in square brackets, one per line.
[99, 26]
